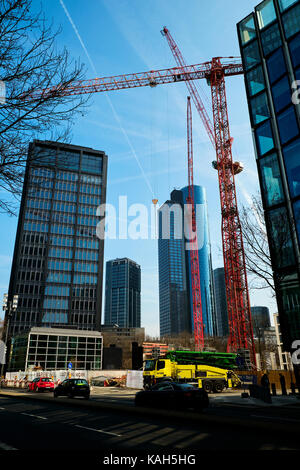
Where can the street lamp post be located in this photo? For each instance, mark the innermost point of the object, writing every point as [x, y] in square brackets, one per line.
[9, 306]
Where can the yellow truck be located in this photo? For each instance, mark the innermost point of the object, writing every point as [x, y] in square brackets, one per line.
[211, 371]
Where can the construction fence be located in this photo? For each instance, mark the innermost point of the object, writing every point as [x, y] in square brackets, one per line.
[254, 377]
[128, 378]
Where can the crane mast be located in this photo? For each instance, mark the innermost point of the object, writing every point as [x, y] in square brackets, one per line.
[193, 252]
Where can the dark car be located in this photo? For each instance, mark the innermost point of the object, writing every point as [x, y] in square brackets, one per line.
[173, 395]
[72, 388]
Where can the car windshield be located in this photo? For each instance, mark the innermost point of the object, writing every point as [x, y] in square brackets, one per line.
[80, 382]
[183, 387]
[149, 365]
[163, 386]
[46, 380]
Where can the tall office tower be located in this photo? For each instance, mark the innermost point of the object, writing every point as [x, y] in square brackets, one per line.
[57, 265]
[205, 262]
[175, 283]
[270, 48]
[123, 293]
[260, 319]
[174, 308]
[221, 302]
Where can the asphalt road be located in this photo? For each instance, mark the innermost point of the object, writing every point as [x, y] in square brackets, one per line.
[30, 424]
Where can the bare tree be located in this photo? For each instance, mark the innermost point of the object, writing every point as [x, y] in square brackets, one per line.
[257, 253]
[31, 62]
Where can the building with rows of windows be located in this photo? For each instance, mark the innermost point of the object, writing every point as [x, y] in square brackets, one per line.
[123, 293]
[270, 48]
[57, 267]
[54, 349]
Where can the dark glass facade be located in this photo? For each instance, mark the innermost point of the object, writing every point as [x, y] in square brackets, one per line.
[270, 48]
[58, 260]
[221, 303]
[174, 306]
[123, 293]
[260, 320]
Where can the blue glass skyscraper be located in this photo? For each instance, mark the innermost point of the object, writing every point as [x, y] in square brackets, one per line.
[205, 263]
[175, 284]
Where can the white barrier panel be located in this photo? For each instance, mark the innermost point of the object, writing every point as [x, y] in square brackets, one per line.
[57, 375]
[134, 379]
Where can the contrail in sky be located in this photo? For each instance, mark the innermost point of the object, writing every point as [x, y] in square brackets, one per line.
[116, 116]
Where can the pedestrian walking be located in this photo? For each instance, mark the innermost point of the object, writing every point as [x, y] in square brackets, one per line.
[282, 384]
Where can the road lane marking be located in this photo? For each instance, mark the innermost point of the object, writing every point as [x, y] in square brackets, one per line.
[4, 446]
[34, 416]
[98, 430]
[276, 417]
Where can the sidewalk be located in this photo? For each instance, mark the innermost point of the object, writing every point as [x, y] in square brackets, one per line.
[237, 400]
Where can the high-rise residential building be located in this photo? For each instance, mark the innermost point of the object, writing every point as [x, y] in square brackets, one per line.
[175, 284]
[123, 293]
[205, 262]
[221, 302]
[57, 268]
[260, 319]
[270, 48]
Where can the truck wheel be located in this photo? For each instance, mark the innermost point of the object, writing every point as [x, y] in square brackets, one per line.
[218, 387]
[207, 386]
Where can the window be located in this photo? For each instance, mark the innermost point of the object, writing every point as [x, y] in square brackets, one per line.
[284, 4]
[259, 108]
[247, 30]
[68, 159]
[291, 21]
[287, 125]
[276, 66]
[292, 163]
[264, 138]
[91, 164]
[281, 94]
[255, 81]
[295, 50]
[265, 13]
[251, 55]
[271, 39]
[271, 180]
[43, 156]
[281, 242]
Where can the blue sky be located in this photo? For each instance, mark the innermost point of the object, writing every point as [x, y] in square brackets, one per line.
[143, 130]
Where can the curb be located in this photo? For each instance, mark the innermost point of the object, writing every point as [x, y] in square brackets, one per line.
[201, 418]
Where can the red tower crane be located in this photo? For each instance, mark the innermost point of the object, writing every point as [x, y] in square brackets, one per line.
[193, 252]
[238, 302]
[214, 71]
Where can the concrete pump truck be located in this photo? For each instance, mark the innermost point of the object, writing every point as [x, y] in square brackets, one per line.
[211, 371]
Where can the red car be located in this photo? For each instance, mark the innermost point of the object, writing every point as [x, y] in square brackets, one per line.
[40, 384]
